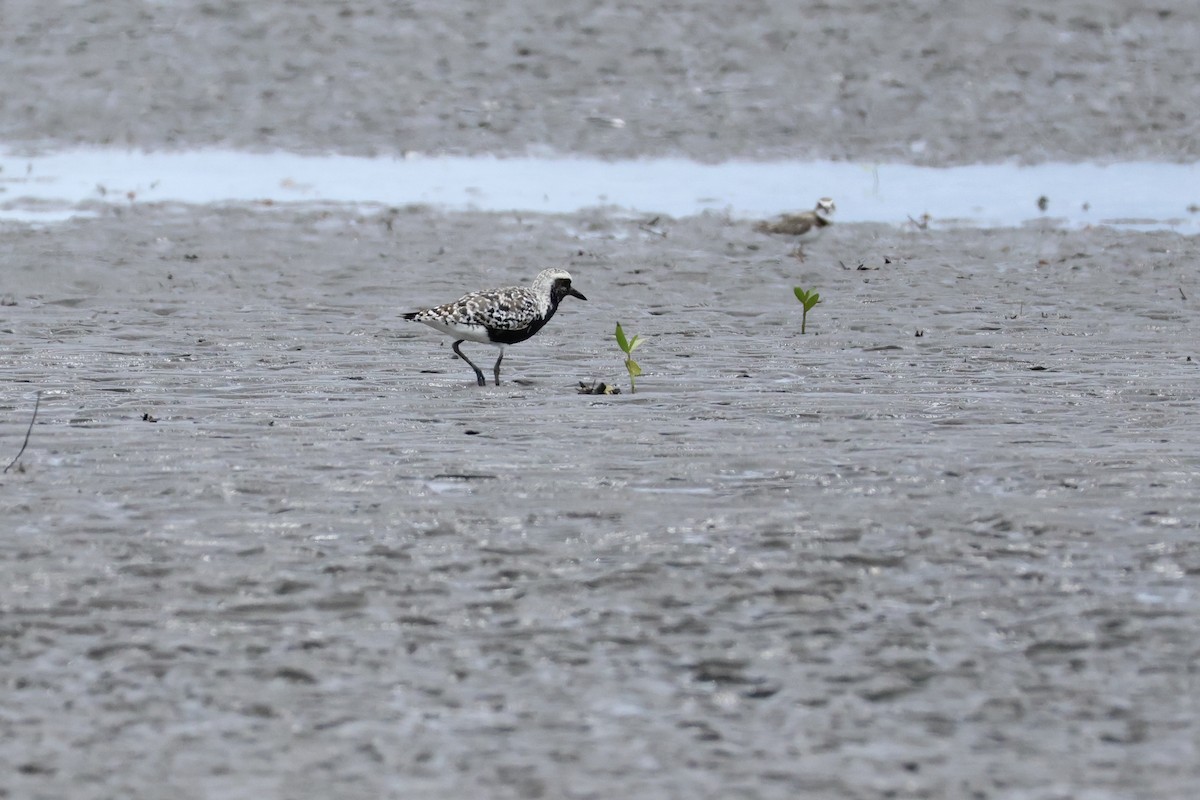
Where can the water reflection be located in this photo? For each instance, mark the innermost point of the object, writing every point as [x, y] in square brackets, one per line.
[1133, 194]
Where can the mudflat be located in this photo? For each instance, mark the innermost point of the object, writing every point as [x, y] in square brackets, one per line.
[269, 540]
[918, 81]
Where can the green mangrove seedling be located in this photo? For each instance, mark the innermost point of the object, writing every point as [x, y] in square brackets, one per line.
[808, 300]
[628, 346]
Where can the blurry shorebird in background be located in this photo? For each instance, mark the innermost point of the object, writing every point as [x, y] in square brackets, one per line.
[804, 227]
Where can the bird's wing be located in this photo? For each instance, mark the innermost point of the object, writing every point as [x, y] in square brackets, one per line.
[504, 309]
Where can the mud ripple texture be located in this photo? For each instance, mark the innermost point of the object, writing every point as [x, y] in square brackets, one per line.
[930, 82]
[269, 540]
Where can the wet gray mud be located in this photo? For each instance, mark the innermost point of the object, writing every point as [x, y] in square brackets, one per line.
[927, 82]
[270, 540]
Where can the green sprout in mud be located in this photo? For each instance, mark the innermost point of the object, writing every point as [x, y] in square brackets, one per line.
[628, 346]
[808, 300]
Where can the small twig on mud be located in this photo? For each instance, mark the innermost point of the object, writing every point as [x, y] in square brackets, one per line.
[1181, 294]
[648, 227]
[36, 403]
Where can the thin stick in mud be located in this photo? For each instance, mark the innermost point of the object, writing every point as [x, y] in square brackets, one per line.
[36, 403]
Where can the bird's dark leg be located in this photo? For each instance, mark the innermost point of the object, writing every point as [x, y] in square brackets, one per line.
[478, 373]
[496, 369]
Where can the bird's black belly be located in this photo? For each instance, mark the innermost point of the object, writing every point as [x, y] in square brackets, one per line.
[514, 335]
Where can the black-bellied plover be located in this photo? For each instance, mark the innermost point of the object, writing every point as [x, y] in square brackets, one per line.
[499, 317]
[803, 227]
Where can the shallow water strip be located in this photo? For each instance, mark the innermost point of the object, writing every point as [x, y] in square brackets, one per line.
[1139, 195]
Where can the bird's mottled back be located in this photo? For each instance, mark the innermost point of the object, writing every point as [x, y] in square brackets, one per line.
[506, 309]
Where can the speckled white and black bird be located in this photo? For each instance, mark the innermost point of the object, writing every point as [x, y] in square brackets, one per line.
[804, 227]
[499, 317]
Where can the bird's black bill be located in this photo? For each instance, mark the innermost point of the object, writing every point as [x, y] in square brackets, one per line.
[576, 293]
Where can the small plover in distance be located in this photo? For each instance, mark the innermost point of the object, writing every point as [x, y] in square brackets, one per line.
[805, 226]
[499, 317]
